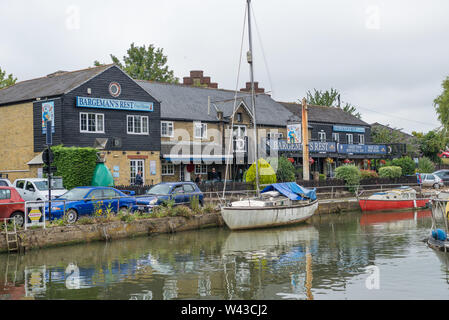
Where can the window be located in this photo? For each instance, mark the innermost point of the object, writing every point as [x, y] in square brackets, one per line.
[137, 124]
[188, 188]
[336, 137]
[239, 117]
[200, 130]
[20, 184]
[168, 169]
[5, 194]
[96, 194]
[350, 138]
[361, 139]
[239, 131]
[30, 187]
[3, 183]
[167, 129]
[109, 193]
[136, 166]
[92, 122]
[201, 169]
[322, 136]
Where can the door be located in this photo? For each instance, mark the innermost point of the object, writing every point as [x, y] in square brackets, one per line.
[186, 174]
[135, 167]
[178, 194]
[5, 197]
[110, 201]
[29, 192]
[189, 192]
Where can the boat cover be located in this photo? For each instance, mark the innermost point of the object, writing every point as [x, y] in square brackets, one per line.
[292, 191]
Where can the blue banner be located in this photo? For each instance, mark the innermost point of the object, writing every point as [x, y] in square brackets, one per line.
[113, 104]
[362, 148]
[314, 146]
[349, 129]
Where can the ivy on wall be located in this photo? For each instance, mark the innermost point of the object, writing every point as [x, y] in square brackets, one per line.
[75, 165]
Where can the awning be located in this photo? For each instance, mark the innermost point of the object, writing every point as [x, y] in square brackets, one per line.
[37, 160]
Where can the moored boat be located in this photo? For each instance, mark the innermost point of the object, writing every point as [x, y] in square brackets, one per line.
[279, 204]
[396, 199]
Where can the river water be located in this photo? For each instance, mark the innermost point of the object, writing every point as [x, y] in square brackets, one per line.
[348, 256]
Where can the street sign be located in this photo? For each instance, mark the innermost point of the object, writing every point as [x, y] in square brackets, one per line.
[47, 156]
[34, 214]
[50, 169]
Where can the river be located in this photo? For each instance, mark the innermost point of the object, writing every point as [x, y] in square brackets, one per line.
[347, 256]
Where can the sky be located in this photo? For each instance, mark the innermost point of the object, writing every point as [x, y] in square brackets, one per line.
[388, 58]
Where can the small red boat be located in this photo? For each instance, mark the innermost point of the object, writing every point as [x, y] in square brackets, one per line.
[397, 199]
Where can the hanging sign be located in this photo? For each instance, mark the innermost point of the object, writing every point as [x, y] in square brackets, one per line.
[48, 114]
[294, 133]
[100, 103]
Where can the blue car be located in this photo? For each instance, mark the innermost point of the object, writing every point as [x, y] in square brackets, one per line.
[181, 192]
[83, 201]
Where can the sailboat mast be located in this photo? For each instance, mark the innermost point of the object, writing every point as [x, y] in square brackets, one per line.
[253, 99]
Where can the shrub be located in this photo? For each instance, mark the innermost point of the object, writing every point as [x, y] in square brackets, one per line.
[406, 163]
[390, 172]
[266, 173]
[181, 211]
[350, 174]
[367, 174]
[286, 170]
[425, 165]
[322, 177]
[75, 165]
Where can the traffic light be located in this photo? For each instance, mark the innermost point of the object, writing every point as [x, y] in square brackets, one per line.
[47, 157]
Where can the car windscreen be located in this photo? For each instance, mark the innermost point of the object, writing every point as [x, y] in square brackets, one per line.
[75, 194]
[43, 184]
[160, 189]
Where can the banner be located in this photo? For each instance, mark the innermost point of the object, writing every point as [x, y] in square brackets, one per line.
[48, 114]
[362, 148]
[100, 103]
[294, 133]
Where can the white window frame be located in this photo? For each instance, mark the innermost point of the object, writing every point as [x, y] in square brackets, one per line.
[170, 128]
[128, 131]
[132, 179]
[336, 137]
[201, 126]
[361, 139]
[97, 115]
[168, 169]
[202, 169]
[322, 136]
[350, 141]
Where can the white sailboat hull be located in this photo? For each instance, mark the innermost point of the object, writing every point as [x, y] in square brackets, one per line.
[237, 218]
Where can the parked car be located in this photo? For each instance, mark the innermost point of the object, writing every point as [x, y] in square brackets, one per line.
[444, 175]
[5, 182]
[82, 201]
[444, 154]
[36, 189]
[181, 192]
[12, 205]
[431, 180]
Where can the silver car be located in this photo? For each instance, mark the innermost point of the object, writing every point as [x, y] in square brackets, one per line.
[431, 180]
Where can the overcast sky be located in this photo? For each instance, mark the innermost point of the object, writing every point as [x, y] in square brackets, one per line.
[389, 58]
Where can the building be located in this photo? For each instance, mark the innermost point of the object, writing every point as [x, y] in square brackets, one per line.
[336, 137]
[196, 126]
[97, 107]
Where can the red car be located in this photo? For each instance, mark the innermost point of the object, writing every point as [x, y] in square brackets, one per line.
[444, 154]
[11, 205]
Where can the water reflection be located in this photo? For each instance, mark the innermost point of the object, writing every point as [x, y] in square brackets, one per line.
[327, 258]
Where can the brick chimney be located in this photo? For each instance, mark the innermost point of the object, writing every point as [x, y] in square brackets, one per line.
[197, 79]
[256, 88]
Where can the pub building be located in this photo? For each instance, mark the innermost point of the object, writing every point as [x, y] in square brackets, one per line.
[100, 107]
[335, 138]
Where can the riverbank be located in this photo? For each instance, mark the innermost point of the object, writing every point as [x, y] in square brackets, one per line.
[115, 230]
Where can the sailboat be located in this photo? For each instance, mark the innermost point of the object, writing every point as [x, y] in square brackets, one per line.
[277, 204]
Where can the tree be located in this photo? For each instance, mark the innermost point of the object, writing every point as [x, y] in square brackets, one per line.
[329, 98]
[431, 144]
[441, 104]
[6, 81]
[145, 64]
[285, 171]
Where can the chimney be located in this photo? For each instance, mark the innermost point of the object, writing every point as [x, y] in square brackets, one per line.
[256, 88]
[197, 79]
[55, 74]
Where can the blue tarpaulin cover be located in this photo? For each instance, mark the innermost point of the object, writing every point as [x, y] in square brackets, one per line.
[292, 191]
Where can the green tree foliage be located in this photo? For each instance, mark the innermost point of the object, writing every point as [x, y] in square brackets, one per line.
[382, 135]
[286, 170]
[146, 63]
[441, 104]
[330, 98]
[6, 81]
[350, 174]
[75, 165]
[391, 172]
[425, 165]
[407, 165]
[431, 144]
[266, 173]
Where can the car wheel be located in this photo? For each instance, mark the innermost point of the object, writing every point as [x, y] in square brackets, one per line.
[19, 217]
[71, 216]
[123, 210]
[436, 186]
